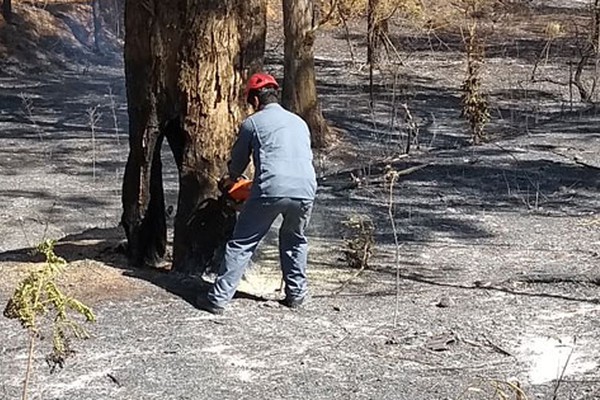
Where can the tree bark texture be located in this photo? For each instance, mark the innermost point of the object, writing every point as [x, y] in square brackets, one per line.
[299, 84]
[185, 64]
[372, 32]
[7, 10]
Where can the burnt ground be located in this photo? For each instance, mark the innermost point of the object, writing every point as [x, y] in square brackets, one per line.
[499, 245]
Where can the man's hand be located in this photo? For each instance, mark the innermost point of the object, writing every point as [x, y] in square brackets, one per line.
[226, 182]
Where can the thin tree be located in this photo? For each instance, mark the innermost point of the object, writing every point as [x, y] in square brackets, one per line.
[299, 82]
[589, 52]
[185, 65]
[7, 10]
[97, 19]
[372, 41]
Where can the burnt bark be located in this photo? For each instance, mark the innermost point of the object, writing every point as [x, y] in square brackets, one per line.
[7, 10]
[185, 63]
[97, 20]
[299, 83]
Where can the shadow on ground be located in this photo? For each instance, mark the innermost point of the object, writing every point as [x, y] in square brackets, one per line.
[107, 246]
[454, 184]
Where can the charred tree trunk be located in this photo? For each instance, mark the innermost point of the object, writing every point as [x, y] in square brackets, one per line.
[113, 12]
[299, 84]
[591, 51]
[185, 63]
[97, 19]
[7, 10]
[118, 18]
[111, 17]
[372, 41]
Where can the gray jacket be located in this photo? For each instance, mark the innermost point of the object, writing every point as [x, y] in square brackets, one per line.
[279, 142]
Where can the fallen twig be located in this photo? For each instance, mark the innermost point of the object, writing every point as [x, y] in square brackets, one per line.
[497, 348]
[404, 172]
[491, 287]
[114, 379]
[393, 176]
[578, 161]
[354, 276]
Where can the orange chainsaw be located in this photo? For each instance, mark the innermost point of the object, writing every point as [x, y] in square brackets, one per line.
[235, 192]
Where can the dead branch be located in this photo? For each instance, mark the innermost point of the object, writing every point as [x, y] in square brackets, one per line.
[578, 161]
[356, 274]
[333, 5]
[552, 81]
[497, 348]
[393, 176]
[411, 127]
[404, 172]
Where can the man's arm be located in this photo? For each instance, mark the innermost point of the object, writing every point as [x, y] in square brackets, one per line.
[242, 149]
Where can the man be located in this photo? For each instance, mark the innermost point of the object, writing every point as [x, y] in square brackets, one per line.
[284, 184]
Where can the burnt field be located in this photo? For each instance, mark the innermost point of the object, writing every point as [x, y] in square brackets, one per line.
[496, 283]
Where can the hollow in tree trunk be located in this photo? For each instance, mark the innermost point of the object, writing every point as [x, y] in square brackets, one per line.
[185, 65]
[299, 84]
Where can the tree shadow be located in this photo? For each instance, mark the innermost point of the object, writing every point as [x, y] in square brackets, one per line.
[437, 200]
[436, 114]
[107, 246]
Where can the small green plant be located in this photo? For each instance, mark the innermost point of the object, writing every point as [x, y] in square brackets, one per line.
[38, 304]
[475, 105]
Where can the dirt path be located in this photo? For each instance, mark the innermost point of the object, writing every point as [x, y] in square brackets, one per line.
[499, 274]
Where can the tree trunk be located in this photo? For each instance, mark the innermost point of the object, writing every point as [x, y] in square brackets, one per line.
[299, 85]
[7, 10]
[186, 63]
[372, 41]
[111, 16]
[117, 8]
[97, 19]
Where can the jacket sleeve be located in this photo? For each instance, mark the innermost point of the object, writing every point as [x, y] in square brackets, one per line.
[242, 149]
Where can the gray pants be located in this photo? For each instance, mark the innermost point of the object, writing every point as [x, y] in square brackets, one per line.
[253, 223]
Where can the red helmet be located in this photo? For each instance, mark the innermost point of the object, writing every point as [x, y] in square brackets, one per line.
[259, 81]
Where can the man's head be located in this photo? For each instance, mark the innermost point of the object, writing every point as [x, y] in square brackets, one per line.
[261, 89]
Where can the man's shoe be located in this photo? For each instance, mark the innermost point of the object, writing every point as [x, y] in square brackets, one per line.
[292, 302]
[204, 304]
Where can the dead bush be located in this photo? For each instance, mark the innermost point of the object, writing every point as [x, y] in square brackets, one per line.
[474, 102]
[359, 243]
